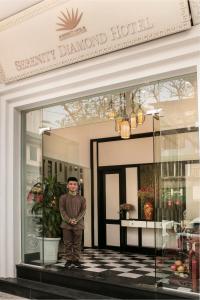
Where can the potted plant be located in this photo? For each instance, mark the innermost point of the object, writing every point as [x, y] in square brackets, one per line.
[46, 210]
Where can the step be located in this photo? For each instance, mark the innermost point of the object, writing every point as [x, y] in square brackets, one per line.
[97, 284]
[37, 290]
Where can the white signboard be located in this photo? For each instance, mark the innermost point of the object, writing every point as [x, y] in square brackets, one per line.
[57, 33]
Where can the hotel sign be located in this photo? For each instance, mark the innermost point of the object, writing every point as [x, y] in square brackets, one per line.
[56, 33]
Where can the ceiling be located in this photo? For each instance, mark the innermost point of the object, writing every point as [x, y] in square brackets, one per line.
[11, 7]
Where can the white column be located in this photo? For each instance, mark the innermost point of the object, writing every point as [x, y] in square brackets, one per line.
[10, 216]
[3, 172]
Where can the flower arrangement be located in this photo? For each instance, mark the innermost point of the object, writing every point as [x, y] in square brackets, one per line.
[126, 207]
[36, 193]
[146, 193]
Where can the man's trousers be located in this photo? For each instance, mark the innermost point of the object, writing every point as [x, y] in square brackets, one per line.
[72, 240]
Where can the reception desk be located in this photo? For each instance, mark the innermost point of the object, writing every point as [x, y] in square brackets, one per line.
[146, 224]
[150, 232]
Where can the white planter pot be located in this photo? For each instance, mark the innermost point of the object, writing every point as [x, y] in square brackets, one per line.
[49, 250]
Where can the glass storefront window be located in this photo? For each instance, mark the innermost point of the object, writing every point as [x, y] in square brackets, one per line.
[48, 160]
[177, 186]
[173, 104]
[31, 176]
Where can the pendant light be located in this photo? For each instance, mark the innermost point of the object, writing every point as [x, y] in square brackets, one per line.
[118, 118]
[125, 129]
[111, 114]
[140, 112]
[118, 122]
[140, 115]
[133, 116]
[133, 120]
[125, 123]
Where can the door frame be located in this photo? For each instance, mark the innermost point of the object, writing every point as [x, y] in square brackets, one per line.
[102, 205]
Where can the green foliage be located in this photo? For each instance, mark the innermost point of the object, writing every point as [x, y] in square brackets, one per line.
[47, 212]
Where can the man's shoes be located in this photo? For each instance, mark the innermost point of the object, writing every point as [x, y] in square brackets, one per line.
[72, 264]
[68, 264]
[77, 264]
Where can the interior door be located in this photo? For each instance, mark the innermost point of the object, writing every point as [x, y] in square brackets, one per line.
[111, 195]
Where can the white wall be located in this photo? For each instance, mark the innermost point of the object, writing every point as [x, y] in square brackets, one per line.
[83, 134]
[132, 190]
[133, 151]
[162, 58]
[112, 196]
[60, 148]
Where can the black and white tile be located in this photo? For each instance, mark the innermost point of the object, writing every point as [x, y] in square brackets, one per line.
[126, 267]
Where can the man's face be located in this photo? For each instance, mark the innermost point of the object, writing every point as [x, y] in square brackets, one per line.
[72, 186]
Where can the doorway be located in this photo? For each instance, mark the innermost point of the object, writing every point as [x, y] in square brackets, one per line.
[123, 167]
[111, 191]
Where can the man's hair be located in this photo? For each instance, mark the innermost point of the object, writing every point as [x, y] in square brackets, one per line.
[72, 179]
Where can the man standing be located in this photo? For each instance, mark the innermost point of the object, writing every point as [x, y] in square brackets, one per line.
[72, 208]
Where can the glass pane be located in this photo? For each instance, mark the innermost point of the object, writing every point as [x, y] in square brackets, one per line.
[31, 187]
[177, 185]
[77, 112]
[174, 216]
[60, 160]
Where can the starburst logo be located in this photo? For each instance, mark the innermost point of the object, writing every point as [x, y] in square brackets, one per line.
[69, 20]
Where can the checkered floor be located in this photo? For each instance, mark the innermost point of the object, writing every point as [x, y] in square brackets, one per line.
[125, 268]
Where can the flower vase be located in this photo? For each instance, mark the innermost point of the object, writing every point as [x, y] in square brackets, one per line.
[148, 210]
[127, 215]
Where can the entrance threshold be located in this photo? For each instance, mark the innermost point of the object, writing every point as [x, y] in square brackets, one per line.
[106, 272]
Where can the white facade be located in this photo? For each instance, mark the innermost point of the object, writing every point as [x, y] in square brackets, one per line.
[162, 58]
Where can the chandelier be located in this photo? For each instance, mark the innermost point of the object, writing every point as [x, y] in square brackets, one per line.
[126, 122]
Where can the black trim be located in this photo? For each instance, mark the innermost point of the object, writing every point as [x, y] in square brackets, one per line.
[139, 180]
[122, 166]
[118, 138]
[140, 239]
[155, 185]
[194, 161]
[123, 230]
[102, 221]
[98, 190]
[112, 221]
[148, 134]
[97, 153]
[92, 191]
[101, 213]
